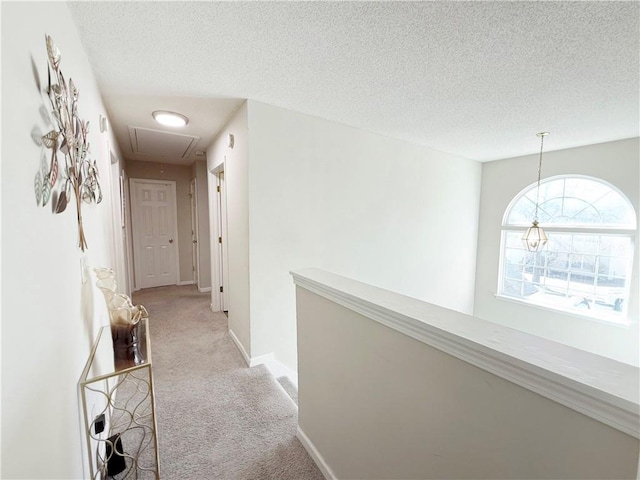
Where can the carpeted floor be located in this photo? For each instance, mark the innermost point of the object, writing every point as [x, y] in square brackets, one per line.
[217, 419]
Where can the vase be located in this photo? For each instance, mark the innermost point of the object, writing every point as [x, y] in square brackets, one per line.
[124, 319]
[126, 345]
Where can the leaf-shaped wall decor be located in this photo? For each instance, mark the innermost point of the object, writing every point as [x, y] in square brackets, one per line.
[50, 139]
[46, 192]
[99, 193]
[53, 173]
[37, 187]
[56, 90]
[73, 90]
[63, 86]
[64, 148]
[62, 202]
[53, 53]
[69, 136]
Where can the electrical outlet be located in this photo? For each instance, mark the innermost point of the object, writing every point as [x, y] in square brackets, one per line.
[98, 424]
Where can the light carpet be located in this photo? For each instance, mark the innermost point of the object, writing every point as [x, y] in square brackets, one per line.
[217, 418]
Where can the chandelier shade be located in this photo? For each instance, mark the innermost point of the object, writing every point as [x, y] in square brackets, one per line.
[535, 237]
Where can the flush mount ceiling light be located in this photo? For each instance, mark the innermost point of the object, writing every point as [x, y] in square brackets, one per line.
[170, 119]
[535, 237]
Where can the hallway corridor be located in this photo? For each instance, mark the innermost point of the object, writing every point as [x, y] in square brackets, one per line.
[216, 418]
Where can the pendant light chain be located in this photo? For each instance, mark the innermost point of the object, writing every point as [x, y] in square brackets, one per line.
[542, 135]
[535, 236]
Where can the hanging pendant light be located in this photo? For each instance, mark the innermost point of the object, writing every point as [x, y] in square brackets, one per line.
[535, 238]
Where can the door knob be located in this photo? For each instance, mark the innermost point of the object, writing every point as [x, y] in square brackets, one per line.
[171, 240]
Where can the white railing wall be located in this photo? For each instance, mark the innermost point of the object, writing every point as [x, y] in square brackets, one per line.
[392, 387]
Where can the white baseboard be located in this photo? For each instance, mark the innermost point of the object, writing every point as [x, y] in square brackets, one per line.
[240, 347]
[251, 362]
[204, 289]
[279, 370]
[261, 359]
[186, 282]
[315, 455]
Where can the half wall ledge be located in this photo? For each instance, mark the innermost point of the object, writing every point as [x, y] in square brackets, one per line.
[601, 388]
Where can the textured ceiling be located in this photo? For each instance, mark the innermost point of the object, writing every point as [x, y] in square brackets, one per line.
[477, 79]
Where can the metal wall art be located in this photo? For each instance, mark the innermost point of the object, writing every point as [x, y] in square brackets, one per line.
[69, 136]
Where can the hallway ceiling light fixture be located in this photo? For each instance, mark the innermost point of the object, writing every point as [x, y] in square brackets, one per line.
[535, 237]
[170, 119]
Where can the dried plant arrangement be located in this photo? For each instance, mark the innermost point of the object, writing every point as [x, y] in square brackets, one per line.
[69, 136]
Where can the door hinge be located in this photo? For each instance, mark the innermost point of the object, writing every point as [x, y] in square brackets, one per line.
[218, 188]
[219, 239]
[221, 289]
[193, 268]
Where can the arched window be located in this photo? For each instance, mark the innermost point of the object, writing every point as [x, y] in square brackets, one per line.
[586, 265]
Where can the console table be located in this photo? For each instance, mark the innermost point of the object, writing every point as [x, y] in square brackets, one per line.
[119, 411]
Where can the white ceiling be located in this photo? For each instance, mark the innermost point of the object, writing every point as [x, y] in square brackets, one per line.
[477, 79]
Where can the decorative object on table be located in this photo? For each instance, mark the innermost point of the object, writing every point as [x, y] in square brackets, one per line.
[124, 318]
[535, 237]
[69, 136]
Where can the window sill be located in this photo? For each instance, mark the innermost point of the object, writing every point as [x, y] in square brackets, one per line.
[622, 322]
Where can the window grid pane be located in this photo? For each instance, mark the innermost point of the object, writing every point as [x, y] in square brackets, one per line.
[578, 272]
[573, 201]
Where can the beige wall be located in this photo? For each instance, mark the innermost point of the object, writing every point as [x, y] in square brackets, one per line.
[182, 176]
[199, 172]
[378, 404]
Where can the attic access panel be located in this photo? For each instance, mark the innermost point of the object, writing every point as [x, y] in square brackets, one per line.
[158, 143]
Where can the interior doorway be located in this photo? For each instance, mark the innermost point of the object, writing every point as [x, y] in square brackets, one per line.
[195, 251]
[220, 245]
[222, 241]
[155, 239]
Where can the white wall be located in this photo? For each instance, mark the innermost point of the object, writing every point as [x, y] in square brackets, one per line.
[379, 210]
[617, 163]
[236, 168]
[49, 319]
[378, 404]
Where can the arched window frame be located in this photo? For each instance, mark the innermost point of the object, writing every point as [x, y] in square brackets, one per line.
[591, 306]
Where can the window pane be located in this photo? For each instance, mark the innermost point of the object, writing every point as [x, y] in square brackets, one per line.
[573, 201]
[585, 244]
[615, 246]
[576, 272]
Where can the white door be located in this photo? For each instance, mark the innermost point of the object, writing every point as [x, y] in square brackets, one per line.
[195, 254]
[222, 242]
[154, 232]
